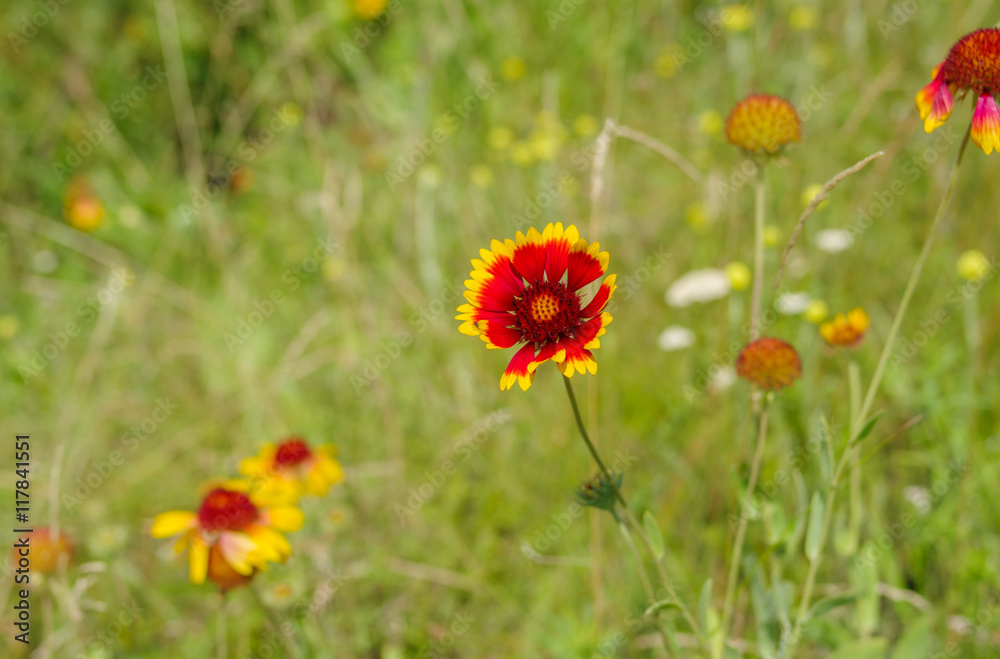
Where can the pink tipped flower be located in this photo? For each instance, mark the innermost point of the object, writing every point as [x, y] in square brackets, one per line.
[935, 101]
[986, 124]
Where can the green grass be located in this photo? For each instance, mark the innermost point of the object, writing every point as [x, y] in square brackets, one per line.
[363, 351]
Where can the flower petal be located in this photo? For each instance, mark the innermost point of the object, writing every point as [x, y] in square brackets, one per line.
[529, 255]
[601, 299]
[198, 560]
[517, 369]
[557, 246]
[986, 124]
[935, 102]
[585, 264]
[285, 518]
[237, 549]
[172, 523]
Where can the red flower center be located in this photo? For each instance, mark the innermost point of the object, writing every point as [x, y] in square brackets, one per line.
[974, 62]
[225, 510]
[546, 312]
[291, 452]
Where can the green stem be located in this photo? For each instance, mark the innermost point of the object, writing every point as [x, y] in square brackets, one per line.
[661, 571]
[854, 394]
[668, 638]
[734, 564]
[758, 256]
[845, 458]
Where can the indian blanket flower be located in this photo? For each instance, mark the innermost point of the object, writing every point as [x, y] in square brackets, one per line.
[769, 363]
[44, 550]
[763, 123]
[528, 292]
[243, 533]
[293, 466]
[972, 66]
[846, 330]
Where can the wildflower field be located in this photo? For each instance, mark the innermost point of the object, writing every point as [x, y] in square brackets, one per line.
[486, 329]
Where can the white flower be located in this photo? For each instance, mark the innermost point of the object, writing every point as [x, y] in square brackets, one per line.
[833, 241]
[675, 337]
[44, 261]
[792, 304]
[698, 286]
[919, 497]
[723, 378]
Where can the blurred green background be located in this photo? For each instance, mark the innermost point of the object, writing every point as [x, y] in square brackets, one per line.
[349, 160]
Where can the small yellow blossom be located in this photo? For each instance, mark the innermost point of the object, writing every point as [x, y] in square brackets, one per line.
[817, 311]
[803, 17]
[810, 192]
[9, 325]
[737, 18]
[845, 331]
[973, 265]
[522, 154]
[668, 63]
[710, 122]
[695, 216]
[772, 236]
[586, 125]
[368, 9]
[513, 67]
[739, 275]
[291, 113]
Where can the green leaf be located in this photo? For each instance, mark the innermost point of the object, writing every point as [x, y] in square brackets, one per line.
[654, 535]
[704, 602]
[828, 604]
[824, 450]
[871, 648]
[659, 605]
[867, 428]
[915, 640]
[815, 531]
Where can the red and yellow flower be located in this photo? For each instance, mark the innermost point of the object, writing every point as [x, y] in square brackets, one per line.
[763, 123]
[293, 467]
[972, 66]
[769, 363]
[846, 330]
[528, 292]
[231, 527]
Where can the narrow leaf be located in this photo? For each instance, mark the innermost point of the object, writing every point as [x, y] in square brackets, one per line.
[654, 535]
[828, 604]
[815, 530]
[704, 602]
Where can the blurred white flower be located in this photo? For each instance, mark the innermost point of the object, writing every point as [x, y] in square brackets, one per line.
[833, 241]
[919, 497]
[698, 286]
[959, 624]
[792, 304]
[722, 379]
[675, 337]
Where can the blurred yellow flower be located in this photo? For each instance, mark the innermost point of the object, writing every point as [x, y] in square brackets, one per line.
[737, 18]
[695, 216]
[772, 235]
[9, 325]
[545, 145]
[739, 275]
[816, 312]
[845, 331]
[333, 268]
[803, 17]
[513, 67]
[481, 176]
[368, 9]
[522, 154]
[972, 265]
[710, 122]
[499, 137]
[586, 125]
[668, 63]
[230, 532]
[291, 112]
[810, 192]
[309, 470]
[83, 210]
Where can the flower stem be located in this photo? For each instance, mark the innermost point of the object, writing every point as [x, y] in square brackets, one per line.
[668, 638]
[661, 571]
[845, 458]
[734, 565]
[758, 256]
